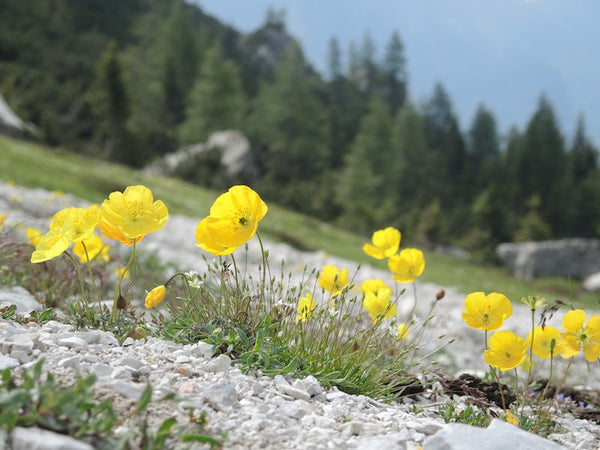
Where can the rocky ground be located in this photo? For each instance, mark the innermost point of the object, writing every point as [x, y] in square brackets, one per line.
[253, 410]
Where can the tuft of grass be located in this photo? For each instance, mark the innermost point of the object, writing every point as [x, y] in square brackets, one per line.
[470, 415]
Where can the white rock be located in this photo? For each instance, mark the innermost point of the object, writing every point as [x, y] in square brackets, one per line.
[219, 364]
[127, 389]
[19, 296]
[222, 397]
[6, 362]
[33, 438]
[72, 342]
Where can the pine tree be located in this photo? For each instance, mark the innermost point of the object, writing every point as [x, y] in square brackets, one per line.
[583, 154]
[111, 105]
[365, 187]
[483, 152]
[217, 100]
[288, 133]
[394, 73]
[334, 60]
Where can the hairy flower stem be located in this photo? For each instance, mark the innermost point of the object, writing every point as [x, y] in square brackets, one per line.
[517, 389]
[563, 379]
[89, 264]
[79, 276]
[118, 287]
[531, 348]
[549, 377]
[414, 308]
[499, 387]
[263, 280]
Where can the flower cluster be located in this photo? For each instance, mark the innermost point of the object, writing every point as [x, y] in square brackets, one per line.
[233, 221]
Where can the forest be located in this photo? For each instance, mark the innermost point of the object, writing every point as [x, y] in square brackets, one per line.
[132, 80]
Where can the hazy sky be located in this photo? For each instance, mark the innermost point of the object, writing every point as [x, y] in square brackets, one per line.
[502, 53]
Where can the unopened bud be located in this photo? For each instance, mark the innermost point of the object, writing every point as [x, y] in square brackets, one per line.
[440, 294]
[121, 302]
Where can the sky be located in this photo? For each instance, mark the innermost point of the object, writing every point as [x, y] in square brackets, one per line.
[500, 53]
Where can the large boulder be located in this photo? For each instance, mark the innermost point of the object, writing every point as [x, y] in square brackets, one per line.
[224, 158]
[575, 258]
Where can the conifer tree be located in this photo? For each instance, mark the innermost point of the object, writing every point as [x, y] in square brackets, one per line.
[394, 72]
[217, 101]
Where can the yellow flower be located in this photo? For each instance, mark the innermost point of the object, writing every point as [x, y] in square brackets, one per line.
[2, 220]
[132, 214]
[232, 221]
[306, 306]
[33, 236]
[122, 272]
[50, 246]
[372, 285]
[333, 279]
[206, 243]
[486, 312]
[95, 247]
[511, 418]
[385, 243]
[78, 224]
[507, 350]
[402, 331]
[155, 296]
[407, 265]
[578, 336]
[379, 304]
[68, 225]
[542, 341]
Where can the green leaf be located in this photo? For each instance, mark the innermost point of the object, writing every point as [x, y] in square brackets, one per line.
[145, 399]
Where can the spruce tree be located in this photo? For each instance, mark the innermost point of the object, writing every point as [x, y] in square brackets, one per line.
[395, 78]
[217, 101]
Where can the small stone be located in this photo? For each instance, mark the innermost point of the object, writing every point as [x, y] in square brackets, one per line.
[102, 370]
[296, 409]
[200, 349]
[122, 373]
[33, 438]
[219, 364]
[310, 385]
[222, 397]
[72, 342]
[295, 393]
[186, 388]
[131, 362]
[352, 429]
[71, 362]
[128, 342]
[126, 389]
[6, 362]
[21, 356]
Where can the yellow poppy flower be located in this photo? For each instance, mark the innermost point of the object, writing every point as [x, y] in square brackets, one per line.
[486, 312]
[50, 246]
[542, 341]
[2, 220]
[78, 224]
[511, 418]
[507, 350]
[306, 306]
[372, 285]
[402, 331]
[379, 304]
[385, 243]
[233, 218]
[132, 214]
[33, 236]
[95, 247]
[205, 242]
[407, 265]
[578, 336]
[333, 279]
[155, 296]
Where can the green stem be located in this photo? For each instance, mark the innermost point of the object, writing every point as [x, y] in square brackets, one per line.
[499, 387]
[529, 372]
[517, 389]
[89, 264]
[118, 286]
[414, 308]
[79, 276]
[263, 280]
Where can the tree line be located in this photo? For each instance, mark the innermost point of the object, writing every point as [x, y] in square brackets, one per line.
[350, 147]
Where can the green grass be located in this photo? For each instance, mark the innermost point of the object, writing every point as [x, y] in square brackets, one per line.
[33, 165]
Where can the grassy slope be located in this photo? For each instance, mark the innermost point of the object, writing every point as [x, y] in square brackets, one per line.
[32, 165]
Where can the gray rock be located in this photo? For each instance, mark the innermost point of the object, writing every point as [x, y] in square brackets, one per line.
[219, 364]
[39, 439]
[72, 342]
[6, 362]
[222, 397]
[499, 435]
[19, 296]
[127, 389]
[575, 258]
